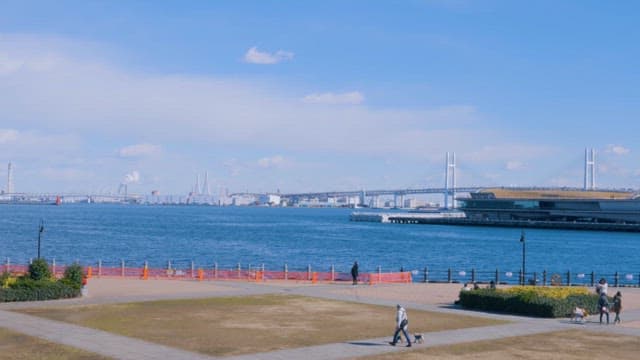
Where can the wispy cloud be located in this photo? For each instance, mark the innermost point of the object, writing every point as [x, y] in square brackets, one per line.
[139, 150]
[8, 136]
[272, 162]
[255, 56]
[514, 165]
[617, 149]
[348, 98]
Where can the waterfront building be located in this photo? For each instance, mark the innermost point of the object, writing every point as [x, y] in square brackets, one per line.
[501, 204]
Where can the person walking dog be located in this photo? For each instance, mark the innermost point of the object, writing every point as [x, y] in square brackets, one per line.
[402, 324]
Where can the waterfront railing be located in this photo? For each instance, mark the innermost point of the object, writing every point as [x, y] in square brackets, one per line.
[189, 270]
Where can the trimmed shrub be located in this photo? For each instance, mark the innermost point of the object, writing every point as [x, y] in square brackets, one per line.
[532, 301]
[73, 276]
[39, 270]
[6, 279]
[26, 289]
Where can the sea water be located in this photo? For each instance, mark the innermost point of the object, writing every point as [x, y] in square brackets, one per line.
[298, 237]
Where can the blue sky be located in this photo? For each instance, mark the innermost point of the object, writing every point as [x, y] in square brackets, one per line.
[312, 96]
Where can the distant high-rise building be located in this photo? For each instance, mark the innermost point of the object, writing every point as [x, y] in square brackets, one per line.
[9, 179]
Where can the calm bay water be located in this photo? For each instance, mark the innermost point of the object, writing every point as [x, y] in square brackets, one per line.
[297, 237]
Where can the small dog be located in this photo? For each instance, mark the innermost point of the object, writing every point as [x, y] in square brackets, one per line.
[579, 315]
[418, 339]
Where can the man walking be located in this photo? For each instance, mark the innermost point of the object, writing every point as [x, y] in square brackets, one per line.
[402, 324]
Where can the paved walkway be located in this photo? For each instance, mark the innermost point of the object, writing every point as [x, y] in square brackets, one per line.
[122, 347]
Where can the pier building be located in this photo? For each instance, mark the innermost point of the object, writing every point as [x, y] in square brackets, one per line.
[588, 206]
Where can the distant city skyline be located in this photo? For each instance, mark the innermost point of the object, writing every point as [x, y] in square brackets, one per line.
[316, 96]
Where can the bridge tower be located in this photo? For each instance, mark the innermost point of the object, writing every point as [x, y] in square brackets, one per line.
[9, 179]
[589, 169]
[450, 181]
[196, 187]
[205, 185]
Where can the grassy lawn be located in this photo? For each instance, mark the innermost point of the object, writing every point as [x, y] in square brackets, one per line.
[18, 346]
[250, 324]
[571, 344]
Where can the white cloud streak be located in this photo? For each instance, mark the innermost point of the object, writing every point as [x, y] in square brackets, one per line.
[8, 136]
[272, 162]
[617, 150]
[139, 150]
[255, 56]
[347, 98]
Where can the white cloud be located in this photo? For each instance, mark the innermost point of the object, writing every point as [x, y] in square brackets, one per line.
[233, 167]
[272, 162]
[139, 150]
[350, 98]
[617, 150]
[131, 178]
[8, 136]
[255, 56]
[514, 165]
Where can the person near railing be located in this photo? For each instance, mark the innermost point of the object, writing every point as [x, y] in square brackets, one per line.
[354, 273]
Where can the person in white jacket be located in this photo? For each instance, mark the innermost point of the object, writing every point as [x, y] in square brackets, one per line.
[402, 324]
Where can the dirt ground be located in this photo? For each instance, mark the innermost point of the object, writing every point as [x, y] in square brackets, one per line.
[565, 345]
[15, 346]
[220, 326]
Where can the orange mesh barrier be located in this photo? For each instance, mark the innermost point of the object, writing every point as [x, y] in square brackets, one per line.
[399, 277]
[225, 274]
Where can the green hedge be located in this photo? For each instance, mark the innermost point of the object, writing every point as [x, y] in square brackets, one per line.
[27, 289]
[499, 301]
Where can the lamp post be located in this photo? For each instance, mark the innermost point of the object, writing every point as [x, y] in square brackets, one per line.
[523, 256]
[40, 231]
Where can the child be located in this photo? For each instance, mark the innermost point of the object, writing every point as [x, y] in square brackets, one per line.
[617, 306]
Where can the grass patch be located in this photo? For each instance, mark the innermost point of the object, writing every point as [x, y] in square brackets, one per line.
[250, 324]
[571, 344]
[14, 346]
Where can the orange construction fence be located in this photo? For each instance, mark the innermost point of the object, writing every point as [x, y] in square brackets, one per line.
[146, 273]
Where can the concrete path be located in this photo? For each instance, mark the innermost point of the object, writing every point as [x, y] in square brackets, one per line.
[121, 347]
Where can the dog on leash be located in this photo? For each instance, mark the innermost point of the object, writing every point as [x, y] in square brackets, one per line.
[579, 315]
[418, 339]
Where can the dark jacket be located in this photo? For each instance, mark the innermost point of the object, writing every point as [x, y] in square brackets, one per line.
[617, 303]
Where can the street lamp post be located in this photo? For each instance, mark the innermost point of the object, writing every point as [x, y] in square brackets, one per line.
[40, 231]
[523, 257]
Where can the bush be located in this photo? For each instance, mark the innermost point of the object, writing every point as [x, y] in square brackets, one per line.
[6, 279]
[39, 270]
[73, 276]
[27, 289]
[532, 301]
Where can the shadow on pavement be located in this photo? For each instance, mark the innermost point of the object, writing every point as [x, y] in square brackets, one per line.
[359, 343]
